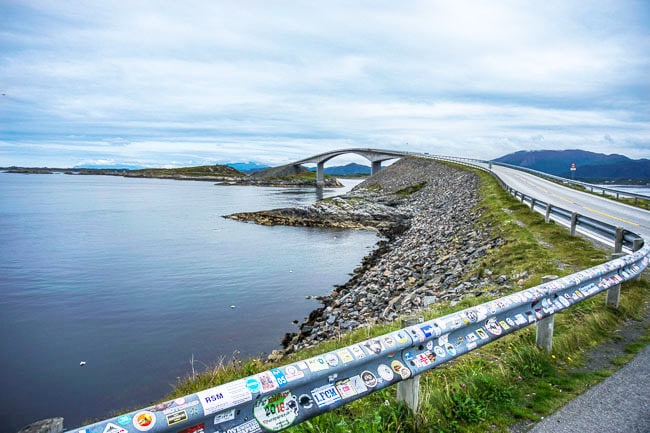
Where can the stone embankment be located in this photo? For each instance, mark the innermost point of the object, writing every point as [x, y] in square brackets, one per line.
[427, 212]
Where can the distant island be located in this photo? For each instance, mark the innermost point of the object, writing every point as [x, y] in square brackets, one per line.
[590, 166]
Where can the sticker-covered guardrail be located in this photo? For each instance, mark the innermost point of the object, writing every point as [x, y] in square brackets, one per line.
[288, 395]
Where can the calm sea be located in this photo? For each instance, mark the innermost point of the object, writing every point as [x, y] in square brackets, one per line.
[136, 276]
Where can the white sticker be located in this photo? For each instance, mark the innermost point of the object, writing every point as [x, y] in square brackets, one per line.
[144, 420]
[317, 364]
[112, 428]
[224, 396]
[345, 388]
[358, 384]
[292, 373]
[248, 427]
[276, 412]
[224, 416]
[326, 395]
[385, 372]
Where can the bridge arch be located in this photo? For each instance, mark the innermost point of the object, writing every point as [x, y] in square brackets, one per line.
[376, 157]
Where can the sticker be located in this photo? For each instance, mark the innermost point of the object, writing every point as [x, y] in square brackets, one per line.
[358, 352]
[430, 345]
[345, 388]
[224, 417]
[427, 330]
[199, 428]
[471, 337]
[267, 381]
[291, 373]
[253, 385]
[369, 379]
[459, 340]
[439, 351]
[482, 334]
[401, 337]
[182, 405]
[493, 327]
[224, 396]
[248, 427]
[451, 350]
[358, 384]
[176, 417]
[520, 319]
[144, 420]
[326, 395]
[510, 322]
[345, 356]
[305, 401]
[408, 356]
[374, 345]
[112, 428]
[279, 377]
[469, 316]
[442, 340]
[385, 372]
[504, 325]
[422, 360]
[331, 359]
[416, 334]
[481, 312]
[124, 420]
[276, 412]
[454, 322]
[317, 364]
[399, 368]
[389, 341]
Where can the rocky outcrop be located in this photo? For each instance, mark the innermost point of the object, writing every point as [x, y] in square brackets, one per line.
[284, 176]
[427, 213]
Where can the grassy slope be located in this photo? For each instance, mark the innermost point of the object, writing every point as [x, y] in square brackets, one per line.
[504, 382]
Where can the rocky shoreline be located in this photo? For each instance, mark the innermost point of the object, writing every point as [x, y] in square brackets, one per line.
[427, 213]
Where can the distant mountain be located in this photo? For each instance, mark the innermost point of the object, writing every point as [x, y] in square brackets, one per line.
[247, 167]
[346, 170]
[590, 166]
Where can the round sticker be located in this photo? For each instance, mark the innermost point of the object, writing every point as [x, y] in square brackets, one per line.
[493, 327]
[385, 372]
[331, 359]
[439, 351]
[277, 412]
[253, 385]
[401, 337]
[451, 350]
[144, 421]
[369, 379]
[388, 341]
[399, 368]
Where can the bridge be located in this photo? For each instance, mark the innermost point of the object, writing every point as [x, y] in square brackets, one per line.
[375, 156]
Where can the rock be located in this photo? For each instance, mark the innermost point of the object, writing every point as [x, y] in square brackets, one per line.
[275, 356]
[50, 425]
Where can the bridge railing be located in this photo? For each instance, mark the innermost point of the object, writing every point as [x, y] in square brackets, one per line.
[290, 394]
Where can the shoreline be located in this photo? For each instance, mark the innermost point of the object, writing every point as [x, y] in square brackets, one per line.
[426, 212]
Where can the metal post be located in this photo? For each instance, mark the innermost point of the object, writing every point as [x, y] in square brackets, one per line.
[544, 327]
[618, 240]
[532, 204]
[574, 223]
[408, 390]
[547, 217]
[614, 293]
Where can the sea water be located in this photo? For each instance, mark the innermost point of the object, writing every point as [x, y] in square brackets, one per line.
[137, 277]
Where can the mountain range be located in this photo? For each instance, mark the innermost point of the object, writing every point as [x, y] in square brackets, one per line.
[590, 166]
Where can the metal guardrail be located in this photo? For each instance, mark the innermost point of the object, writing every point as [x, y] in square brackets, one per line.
[288, 395]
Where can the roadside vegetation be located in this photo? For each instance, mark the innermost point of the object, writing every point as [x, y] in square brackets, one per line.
[507, 382]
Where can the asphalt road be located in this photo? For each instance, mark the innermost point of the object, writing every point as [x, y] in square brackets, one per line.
[618, 214]
[619, 404]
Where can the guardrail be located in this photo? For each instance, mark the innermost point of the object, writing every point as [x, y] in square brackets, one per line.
[288, 395]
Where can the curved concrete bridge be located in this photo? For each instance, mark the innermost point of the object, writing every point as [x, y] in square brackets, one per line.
[375, 156]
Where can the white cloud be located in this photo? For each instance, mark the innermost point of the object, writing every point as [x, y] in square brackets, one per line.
[168, 81]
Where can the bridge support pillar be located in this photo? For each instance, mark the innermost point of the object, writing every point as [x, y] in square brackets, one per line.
[544, 327]
[320, 174]
[376, 166]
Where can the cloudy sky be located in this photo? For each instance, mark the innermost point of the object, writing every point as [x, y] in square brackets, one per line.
[175, 83]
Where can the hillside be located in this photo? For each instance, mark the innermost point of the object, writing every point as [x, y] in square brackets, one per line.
[591, 166]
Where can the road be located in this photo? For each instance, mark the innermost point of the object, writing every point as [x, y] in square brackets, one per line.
[606, 210]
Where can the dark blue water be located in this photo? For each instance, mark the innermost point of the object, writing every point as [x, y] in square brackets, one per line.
[134, 276]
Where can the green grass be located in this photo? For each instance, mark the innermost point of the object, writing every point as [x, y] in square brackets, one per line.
[411, 189]
[500, 384]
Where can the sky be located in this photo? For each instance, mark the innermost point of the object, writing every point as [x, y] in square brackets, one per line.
[180, 83]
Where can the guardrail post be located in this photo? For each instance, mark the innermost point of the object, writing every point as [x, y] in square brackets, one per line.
[532, 204]
[574, 223]
[547, 217]
[408, 390]
[544, 327]
[618, 240]
[614, 293]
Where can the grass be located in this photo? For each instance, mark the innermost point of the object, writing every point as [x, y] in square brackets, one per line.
[505, 382]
